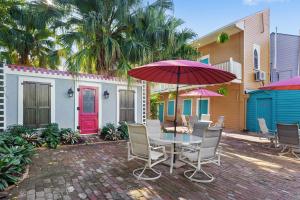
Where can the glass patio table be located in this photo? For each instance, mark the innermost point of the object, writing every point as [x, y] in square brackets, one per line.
[181, 139]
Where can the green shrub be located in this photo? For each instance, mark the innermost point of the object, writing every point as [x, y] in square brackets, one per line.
[110, 132]
[68, 136]
[51, 135]
[29, 134]
[123, 129]
[10, 170]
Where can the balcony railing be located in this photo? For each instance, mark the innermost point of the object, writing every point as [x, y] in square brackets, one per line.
[229, 66]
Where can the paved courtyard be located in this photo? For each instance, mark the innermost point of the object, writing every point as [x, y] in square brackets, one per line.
[101, 171]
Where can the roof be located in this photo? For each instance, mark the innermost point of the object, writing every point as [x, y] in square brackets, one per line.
[231, 29]
[38, 70]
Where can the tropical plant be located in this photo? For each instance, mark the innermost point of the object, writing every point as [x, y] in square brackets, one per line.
[28, 35]
[51, 135]
[29, 134]
[123, 130]
[223, 37]
[110, 132]
[154, 99]
[68, 136]
[223, 90]
[10, 170]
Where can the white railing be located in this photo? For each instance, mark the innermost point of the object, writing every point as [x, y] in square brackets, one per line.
[231, 66]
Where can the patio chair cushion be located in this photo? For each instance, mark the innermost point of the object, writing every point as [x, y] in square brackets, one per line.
[155, 155]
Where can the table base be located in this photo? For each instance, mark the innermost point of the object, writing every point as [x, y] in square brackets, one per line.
[176, 165]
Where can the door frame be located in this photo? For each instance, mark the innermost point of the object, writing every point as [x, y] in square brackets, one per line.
[87, 84]
[161, 102]
[197, 105]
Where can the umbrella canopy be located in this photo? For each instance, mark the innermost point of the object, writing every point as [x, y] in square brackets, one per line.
[289, 84]
[201, 92]
[181, 72]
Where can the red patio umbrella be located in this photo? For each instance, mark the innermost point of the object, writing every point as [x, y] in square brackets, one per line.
[181, 72]
[289, 84]
[201, 92]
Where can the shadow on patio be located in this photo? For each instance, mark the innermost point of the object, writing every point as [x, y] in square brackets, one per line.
[101, 171]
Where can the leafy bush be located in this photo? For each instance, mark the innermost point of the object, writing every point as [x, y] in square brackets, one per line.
[68, 136]
[15, 153]
[51, 135]
[29, 134]
[10, 170]
[123, 129]
[110, 132]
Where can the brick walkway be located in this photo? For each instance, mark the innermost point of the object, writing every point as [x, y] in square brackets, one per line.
[101, 171]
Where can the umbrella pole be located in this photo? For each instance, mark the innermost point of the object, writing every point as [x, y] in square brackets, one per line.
[176, 106]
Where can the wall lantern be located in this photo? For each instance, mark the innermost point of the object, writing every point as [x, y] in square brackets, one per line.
[106, 94]
[70, 92]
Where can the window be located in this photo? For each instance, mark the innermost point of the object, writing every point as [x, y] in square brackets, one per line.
[171, 108]
[187, 107]
[203, 107]
[205, 59]
[256, 57]
[127, 106]
[36, 104]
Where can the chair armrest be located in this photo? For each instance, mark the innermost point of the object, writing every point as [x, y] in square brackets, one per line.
[159, 147]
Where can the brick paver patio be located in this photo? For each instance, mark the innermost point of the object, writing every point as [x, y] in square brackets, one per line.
[101, 171]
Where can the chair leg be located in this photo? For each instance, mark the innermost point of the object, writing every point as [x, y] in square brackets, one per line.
[283, 149]
[194, 172]
[295, 154]
[139, 175]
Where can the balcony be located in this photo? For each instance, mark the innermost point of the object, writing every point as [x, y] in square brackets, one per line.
[229, 66]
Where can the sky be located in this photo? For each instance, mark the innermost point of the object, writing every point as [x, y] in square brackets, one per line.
[204, 16]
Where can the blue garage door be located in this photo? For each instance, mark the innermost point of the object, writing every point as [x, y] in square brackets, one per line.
[264, 110]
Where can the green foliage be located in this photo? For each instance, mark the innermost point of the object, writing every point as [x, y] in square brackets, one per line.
[123, 129]
[223, 37]
[30, 135]
[154, 99]
[15, 153]
[51, 135]
[223, 90]
[68, 136]
[111, 132]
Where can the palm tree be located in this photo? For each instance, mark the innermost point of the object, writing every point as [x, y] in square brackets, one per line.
[28, 36]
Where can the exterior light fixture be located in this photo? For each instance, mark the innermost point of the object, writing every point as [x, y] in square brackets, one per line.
[106, 94]
[70, 92]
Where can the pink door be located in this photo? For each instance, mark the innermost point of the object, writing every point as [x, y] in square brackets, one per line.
[88, 110]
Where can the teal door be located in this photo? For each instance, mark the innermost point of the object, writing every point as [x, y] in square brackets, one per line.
[202, 107]
[264, 110]
[161, 112]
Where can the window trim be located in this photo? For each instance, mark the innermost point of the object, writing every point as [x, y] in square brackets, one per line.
[257, 48]
[118, 101]
[168, 108]
[197, 106]
[191, 106]
[21, 92]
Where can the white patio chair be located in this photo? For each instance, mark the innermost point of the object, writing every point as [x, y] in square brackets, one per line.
[265, 132]
[184, 122]
[139, 148]
[204, 154]
[192, 120]
[219, 123]
[205, 117]
[154, 129]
